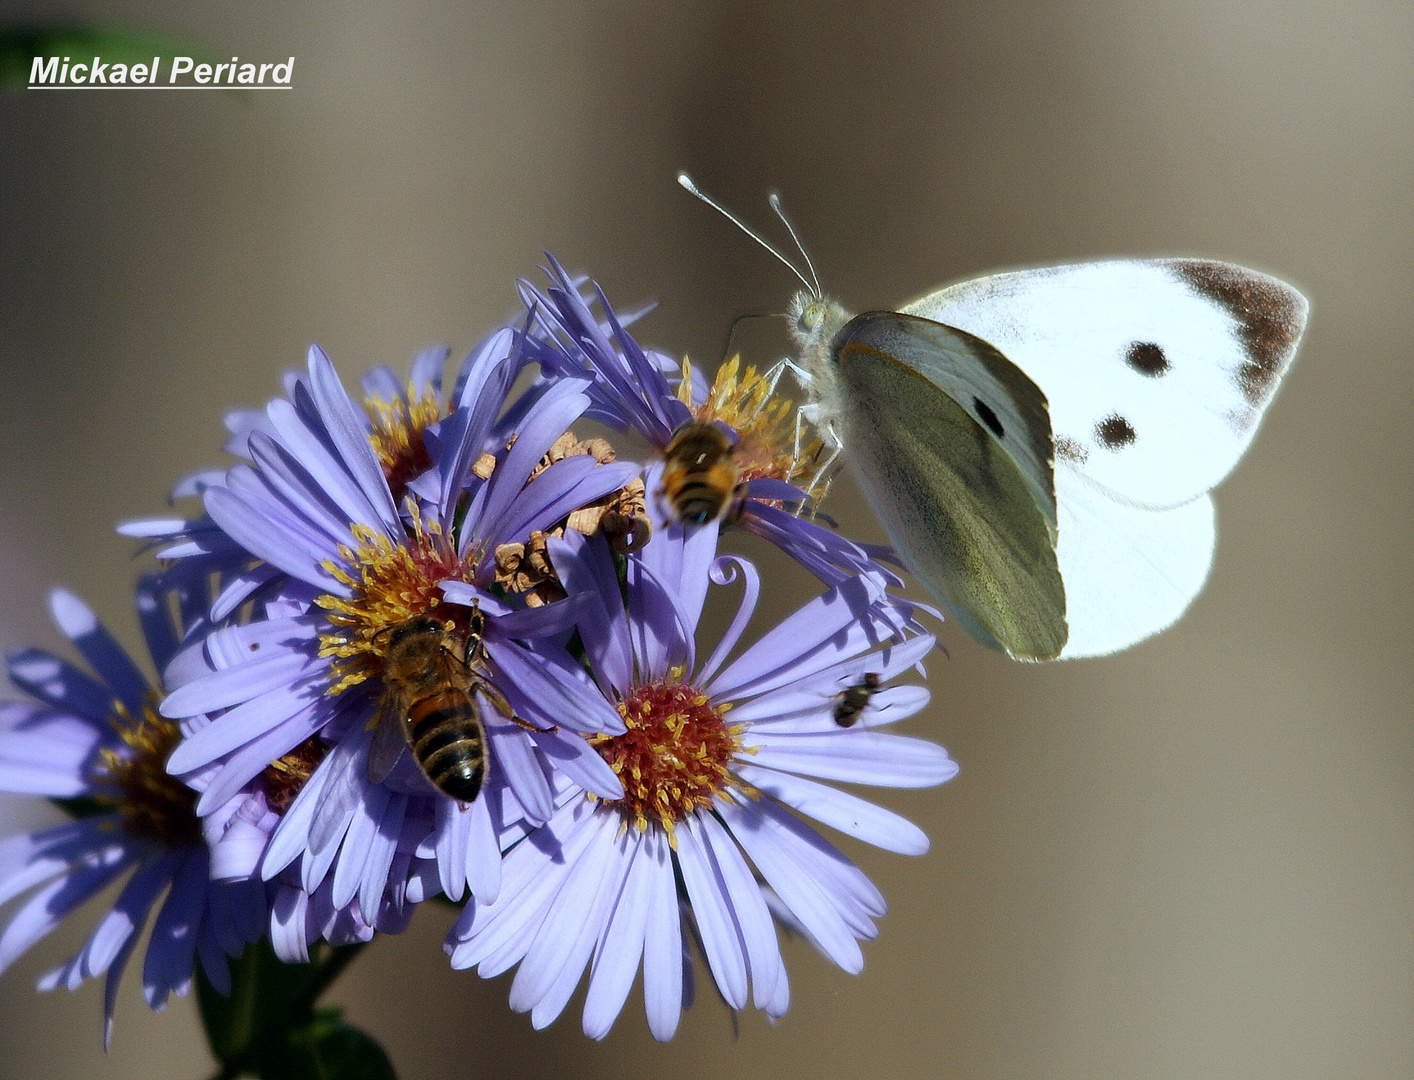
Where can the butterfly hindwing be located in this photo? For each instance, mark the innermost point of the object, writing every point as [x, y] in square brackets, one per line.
[1129, 571]
[951, 444]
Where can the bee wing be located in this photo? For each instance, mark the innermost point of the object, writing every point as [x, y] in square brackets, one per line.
[389, 738]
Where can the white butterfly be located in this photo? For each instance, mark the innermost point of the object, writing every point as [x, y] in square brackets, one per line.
[1039, 445]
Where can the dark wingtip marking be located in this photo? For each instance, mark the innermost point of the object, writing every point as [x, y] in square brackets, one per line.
[988, 417]
[1270, 316]
[1115, 431]
[1070, 450]
[1147, 358]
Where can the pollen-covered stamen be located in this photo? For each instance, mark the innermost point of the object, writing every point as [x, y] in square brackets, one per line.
[765, 425]
[397, 435]
[390, 584]
[673, 757]
[133, 778]
[286, 776]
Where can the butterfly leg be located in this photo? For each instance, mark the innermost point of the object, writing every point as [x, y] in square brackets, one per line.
[825, 474]
[806, 414]
[770, 378]
[772, 375]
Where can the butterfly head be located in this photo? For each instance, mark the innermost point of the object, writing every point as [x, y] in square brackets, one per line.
[814, 321]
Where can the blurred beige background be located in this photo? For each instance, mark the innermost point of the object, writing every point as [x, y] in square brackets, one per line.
[1190, 860]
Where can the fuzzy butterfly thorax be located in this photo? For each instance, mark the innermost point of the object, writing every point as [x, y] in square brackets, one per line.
[814, 321]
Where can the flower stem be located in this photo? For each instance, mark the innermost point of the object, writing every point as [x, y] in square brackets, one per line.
[269, 1026]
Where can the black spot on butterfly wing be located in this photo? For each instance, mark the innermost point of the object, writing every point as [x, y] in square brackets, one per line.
[988, 417]
[1115, 432]
[1147, 358]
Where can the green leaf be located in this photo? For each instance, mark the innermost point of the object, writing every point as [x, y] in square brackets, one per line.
[325, 1048]
[270, 1011]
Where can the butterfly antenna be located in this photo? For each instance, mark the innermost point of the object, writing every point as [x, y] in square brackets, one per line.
[686, 182]
[775, 201]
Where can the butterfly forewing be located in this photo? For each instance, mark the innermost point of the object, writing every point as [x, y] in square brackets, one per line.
[1157, 371]
[965, 492]
[988, 386]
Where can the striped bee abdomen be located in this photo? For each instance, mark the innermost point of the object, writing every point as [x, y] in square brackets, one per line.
[699, 475]
[449, 742]
[698, 503]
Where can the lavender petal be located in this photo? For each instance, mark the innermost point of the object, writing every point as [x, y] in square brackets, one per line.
[482, 859]
[97, 646]
[839, 810]
[44, 910]
[279, 674]
[872, 758]
[274, 537]
[288, 919]
[559, 941]
[662, 945]
[172, 946]
[620, 947]
[804, 896]
[753, 917]
[586, 570]
[775, 656]
[59, 684]
[721, 939]
[349, 431]
[512, 753]
[557, 691]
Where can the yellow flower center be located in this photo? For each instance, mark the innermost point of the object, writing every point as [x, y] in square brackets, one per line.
[153, 804]
[390, 583]
[397, 436]
[673, 757]
[764, 424]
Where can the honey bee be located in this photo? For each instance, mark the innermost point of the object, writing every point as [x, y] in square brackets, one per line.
[699, 476]
[851, 703]
[434, 682]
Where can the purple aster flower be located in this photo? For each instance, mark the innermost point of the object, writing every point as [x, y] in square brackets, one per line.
[714, 758]
[99, 747]
[633, 388]
[354, 523]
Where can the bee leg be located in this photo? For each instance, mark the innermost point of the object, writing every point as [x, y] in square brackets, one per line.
[503, 706]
